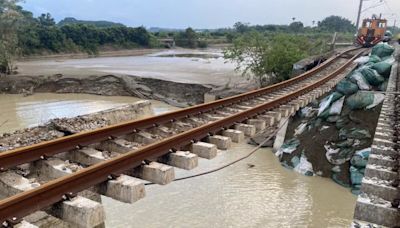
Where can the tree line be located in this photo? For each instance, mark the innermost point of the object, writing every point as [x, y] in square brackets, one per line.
[42, 34]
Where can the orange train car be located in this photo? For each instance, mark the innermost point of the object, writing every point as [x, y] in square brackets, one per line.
[372, 31]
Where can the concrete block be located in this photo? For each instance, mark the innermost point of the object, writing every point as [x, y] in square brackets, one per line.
[118, 146]
[25, 224]
[383, 142]
[269, 120]
[244, 107]
[142, 138]
[155, 172]
[222, 142]
[284, 111]
[212, 117]
[221, 113]
[181, 159]
[377, 214]
[80, 212]
[235, 135]
[381, 160]
[52, 168]
[277, 115]
[86, 156]
[290, 108]
[125, 188]
[380, 173]
[182, 126]
[12, 183]
[388, 193]
[162, 131]
[280, 136]
[296, 105]
[204, 150]
[258, 123]
[248, 130]
[382, 150]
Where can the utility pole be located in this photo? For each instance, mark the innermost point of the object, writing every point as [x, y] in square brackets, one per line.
[359, 15]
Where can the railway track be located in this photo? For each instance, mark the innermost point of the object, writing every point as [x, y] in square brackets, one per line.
[112, 158]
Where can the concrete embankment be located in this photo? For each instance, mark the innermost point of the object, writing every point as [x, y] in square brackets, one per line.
[378, 203]
[173, 93]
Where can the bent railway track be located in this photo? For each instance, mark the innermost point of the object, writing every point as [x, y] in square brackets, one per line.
[138, 144]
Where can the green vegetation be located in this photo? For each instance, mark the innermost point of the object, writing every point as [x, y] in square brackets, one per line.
[99, 24]
[189, 39]
[41, 35]
[266, 53]
[9, 20]
[336, 24]
[269, 59]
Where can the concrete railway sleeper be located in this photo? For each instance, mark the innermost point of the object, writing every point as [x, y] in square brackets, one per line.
[115, 162]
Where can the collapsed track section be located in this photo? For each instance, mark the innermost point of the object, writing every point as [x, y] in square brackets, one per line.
[141, 148]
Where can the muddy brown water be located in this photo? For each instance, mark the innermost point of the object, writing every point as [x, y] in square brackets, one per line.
[266, 195]
[18, 112]
[185, 66]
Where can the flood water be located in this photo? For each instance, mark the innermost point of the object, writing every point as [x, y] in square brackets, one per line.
[266, 195]
[19, 112]
[185, 66]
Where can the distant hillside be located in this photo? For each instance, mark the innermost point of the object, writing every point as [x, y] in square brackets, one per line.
[100, 24]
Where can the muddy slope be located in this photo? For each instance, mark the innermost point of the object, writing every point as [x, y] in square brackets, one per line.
[177, 94]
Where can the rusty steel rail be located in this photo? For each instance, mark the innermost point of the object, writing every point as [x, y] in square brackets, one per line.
[20, 205]
[35, 152]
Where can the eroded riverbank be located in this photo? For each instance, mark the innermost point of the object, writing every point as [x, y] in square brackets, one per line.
[20, 112]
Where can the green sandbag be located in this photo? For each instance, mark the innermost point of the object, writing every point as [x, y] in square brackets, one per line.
[336, 179]
[382, 50]
[360, 100]
[354, 133]
[383, 68]
[374, 59]
[346, 87]
[383, 86]
[372, 76]
[342, 122]
[356, 176]
[356, 189]
[360, 158]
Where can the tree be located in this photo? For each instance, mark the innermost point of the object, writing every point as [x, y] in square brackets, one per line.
[46, 20]
[9, 19]
[296, 26]
[241, 27]
[188, 38]
[265, 60]
[336, 24]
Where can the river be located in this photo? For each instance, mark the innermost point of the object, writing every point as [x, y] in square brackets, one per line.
[266, 195]
[185, 66]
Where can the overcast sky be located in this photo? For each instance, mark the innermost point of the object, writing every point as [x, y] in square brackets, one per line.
[206, 13]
